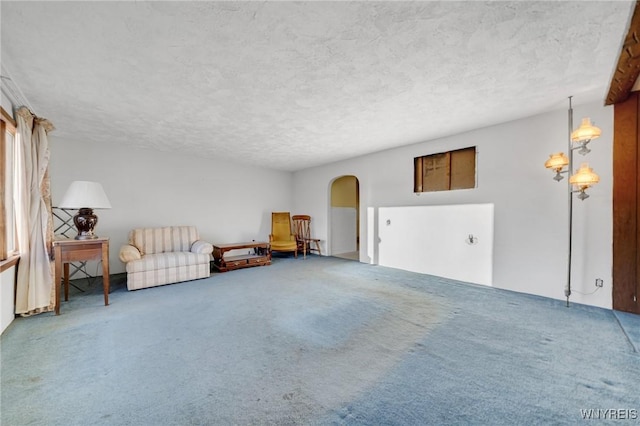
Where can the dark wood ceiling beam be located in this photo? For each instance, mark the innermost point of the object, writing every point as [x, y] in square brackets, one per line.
[628, 68]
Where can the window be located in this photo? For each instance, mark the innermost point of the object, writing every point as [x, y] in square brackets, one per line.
[7, 213]
[445, 171]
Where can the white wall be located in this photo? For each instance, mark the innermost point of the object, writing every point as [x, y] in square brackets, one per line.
[530, 239]
[227, 202]
[7, 296]
[447, 241]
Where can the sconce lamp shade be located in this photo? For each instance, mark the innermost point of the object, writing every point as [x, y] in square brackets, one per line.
[584, 177]
[585, 132]
[84, 194]
[557, 161]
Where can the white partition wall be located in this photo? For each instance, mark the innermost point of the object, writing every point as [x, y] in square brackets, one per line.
[454, 241]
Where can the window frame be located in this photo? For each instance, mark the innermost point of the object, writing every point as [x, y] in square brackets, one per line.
[442, 160]
[8, 255]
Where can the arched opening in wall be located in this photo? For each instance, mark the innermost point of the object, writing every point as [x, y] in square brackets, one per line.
[345, 217]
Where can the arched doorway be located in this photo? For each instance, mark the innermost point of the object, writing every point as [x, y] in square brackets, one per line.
[345, 217]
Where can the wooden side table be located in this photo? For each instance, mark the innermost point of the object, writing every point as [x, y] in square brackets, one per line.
[69, 250]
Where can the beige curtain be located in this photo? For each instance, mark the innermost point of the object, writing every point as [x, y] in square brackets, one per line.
[32, 197]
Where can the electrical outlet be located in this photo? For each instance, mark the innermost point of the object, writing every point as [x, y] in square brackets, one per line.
[599, 282]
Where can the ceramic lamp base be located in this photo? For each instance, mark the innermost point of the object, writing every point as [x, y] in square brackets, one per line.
[85, 221]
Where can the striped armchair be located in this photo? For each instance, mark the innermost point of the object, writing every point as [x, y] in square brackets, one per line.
[158, 256]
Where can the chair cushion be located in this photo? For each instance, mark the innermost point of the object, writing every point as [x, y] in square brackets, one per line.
[151, 262]
[161, 240]
[280, 225]
[284, 245]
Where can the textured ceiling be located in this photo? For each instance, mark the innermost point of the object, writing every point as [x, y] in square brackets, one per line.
[293, 85]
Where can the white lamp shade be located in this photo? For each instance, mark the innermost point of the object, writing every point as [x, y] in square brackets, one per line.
[585, 132]
[557, 161]
[84, 194]
[584, 177]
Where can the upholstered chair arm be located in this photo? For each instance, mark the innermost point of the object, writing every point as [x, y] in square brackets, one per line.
[129, 253]
[202, 247]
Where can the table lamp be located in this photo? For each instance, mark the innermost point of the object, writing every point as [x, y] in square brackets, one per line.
[85, 196]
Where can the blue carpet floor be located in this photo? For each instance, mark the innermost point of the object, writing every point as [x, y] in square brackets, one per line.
[320, 341]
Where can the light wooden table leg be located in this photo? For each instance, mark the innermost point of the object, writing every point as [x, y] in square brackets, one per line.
[105, 272]
[66, 281]
[57, 277]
